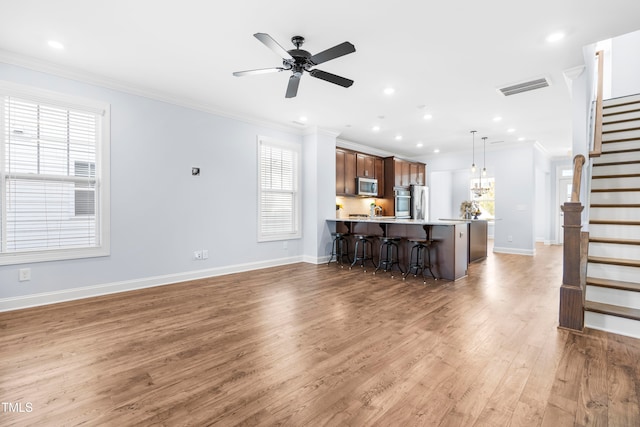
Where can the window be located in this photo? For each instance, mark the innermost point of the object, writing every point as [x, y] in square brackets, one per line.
[54, 168]
[85, 192]
[278, 190]
[487, 200]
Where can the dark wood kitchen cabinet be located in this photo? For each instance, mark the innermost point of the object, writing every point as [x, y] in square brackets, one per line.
[345, 173]
[352, 164]
[403, 173]
[365, 165]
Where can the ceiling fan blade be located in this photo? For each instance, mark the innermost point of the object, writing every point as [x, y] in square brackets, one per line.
[260, 71]
[269, 42]
[332, 53]
[332, 78]
[292, 87]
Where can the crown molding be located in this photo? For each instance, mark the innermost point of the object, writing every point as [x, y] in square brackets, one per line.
[82, 76]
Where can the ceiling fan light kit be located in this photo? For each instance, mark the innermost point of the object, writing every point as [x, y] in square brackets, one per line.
[298, 61]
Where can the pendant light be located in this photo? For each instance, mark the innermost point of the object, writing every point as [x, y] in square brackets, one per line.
[473, 163]
[484, 154]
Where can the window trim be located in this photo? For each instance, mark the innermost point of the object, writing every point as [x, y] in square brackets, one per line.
[103, 156]
[297, 150]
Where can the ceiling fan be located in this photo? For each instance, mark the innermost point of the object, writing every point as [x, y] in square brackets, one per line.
[298, 61]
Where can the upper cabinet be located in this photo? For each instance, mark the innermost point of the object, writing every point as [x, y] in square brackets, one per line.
[403, 173]
[351, 164]
[345, 173]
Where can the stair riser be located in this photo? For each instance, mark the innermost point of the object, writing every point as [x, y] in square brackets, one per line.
[616, 169]
[610, 183]
[615, 250]
[621, 100]
[627, 214]
[613, 272]
[617, 157]
[611, 122]
[607, 147]
[613, 324]
[630, 197]
[630, 134]
[615, 231]
[613, 296]
[622, 122]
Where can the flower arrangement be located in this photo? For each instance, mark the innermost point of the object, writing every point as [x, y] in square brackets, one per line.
[338, 206]
[469, 209]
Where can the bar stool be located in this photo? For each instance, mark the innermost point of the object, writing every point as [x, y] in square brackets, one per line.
[340, 242]
[365, 248]
[387, 247]
[420, 246]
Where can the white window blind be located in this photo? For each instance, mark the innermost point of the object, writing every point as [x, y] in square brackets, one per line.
[51, 178]
[278, 196]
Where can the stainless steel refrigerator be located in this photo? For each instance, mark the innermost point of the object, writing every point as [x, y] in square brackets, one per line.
[420, 202]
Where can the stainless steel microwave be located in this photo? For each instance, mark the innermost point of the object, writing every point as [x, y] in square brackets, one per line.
[366, 186]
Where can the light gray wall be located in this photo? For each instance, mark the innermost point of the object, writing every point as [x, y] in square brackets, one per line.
[625, 65]
[160, 214]
[514, 171]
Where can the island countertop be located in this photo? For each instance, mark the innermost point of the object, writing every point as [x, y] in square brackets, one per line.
[394, 220]
[450, 249]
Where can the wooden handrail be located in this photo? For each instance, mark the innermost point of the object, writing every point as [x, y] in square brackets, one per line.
[578, 163]
[597, 133]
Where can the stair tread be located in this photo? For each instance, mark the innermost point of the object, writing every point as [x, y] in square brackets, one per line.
[615, 310]
[615, 205]
[608, 141]
[622, 175]
[613, 222]
[614, 261]
[613, 284]
[619, 130]
[627, 162]
[626, 150]
[613, 190]
[617, 122]
[614, 241]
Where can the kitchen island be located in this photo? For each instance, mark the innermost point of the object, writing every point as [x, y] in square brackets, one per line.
[449, 255]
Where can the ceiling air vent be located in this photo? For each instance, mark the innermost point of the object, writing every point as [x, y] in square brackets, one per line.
[524, 86]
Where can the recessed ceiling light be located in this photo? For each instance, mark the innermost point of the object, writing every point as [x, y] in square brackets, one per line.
[375, 128]
[427, 117]
[521, 138]
[55, 44]
[419, 144]
[555, 37]
[511, 130]
[436, 150]
[497, 119]
[398, 137]
[303, 118]
[389, 91]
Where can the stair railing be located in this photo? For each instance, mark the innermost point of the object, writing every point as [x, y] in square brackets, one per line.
[571, 314]
[597, 132]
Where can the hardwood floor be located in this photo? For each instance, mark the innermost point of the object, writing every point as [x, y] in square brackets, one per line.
[308, 345]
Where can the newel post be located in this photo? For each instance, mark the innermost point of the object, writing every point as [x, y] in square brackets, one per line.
[571, 291]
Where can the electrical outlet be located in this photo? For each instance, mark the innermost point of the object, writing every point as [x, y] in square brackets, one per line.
[509, 238]
[197, 254]
[205, 253]
[285, 245]
[25, 274]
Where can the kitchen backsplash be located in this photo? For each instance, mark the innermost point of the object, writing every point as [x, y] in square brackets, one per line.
[358, 205]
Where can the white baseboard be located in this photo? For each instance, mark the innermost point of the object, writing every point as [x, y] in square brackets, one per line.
[513, 251]
[45, 298]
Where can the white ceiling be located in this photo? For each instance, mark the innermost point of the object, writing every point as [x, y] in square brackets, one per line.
[444, 58]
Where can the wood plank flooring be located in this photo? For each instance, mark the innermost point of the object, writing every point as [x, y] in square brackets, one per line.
[307, 345]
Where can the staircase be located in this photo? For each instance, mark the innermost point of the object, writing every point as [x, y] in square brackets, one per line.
[612, 300]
